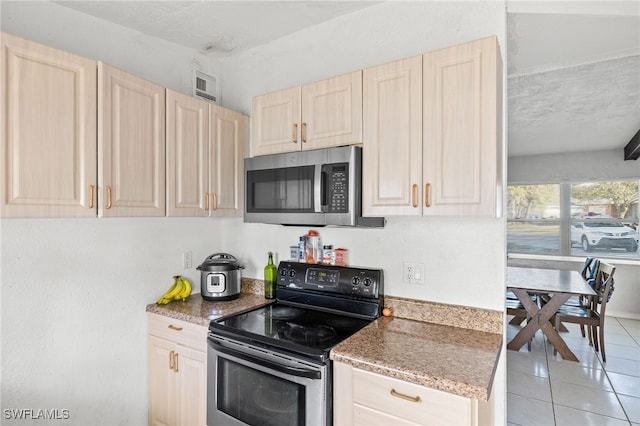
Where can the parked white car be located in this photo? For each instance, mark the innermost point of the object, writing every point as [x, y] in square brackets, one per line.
[592, 233]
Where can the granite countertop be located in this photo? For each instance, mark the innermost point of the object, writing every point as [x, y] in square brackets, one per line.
[196, 310]
[457, 360]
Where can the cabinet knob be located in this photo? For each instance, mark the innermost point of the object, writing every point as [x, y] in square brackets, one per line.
[215, 201]
[206, 201]
[294, 132]
[304, 132]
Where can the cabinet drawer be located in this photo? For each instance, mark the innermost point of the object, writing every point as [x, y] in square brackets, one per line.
[363, 416]
[191, 335]
[386, 394]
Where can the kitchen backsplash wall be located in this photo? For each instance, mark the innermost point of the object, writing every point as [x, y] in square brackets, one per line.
[73, 315]
[463, 258]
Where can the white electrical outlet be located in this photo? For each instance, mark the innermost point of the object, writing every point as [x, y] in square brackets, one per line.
[186, 260]
[413, 273]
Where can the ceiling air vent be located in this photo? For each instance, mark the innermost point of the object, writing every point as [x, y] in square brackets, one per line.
[205, 87]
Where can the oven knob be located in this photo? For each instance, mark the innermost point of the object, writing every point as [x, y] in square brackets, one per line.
[292, 273]
[283, 272]
[367, 282]
[355, 281]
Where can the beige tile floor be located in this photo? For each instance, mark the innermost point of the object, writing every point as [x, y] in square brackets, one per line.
[543, 389]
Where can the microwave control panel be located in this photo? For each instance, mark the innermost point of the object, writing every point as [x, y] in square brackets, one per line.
[336, 187]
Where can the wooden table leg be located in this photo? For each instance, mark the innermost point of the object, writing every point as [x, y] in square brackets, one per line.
[540, 320]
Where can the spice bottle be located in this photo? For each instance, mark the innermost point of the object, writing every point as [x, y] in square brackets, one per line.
[313, 247]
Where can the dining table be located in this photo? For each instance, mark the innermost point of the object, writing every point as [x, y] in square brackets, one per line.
[559, 285]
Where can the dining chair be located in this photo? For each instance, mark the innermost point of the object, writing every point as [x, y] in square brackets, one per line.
[592, 314]
[588, 272]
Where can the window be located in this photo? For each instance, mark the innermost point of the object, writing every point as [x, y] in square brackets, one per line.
[580, 219]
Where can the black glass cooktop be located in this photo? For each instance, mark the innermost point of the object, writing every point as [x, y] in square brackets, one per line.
[302, 330]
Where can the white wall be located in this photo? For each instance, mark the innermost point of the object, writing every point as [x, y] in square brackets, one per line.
[74, 291]
[74, 328]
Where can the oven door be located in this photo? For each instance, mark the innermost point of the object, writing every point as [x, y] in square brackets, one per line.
[252, 386]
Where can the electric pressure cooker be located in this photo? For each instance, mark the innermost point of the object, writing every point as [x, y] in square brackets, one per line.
[220, 277]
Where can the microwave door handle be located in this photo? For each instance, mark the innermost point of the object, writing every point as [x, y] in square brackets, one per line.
[298, 372]
[318, 189]
[324, 177]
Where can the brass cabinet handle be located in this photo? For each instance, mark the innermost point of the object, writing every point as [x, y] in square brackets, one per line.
[215, 201]
[414, 195]
[108, 206]
[175, 363]
[171, 360]
[173, 327]
[427, 195]
[91, 193]
[405, 397]
[294, 132]
[304, 132]
[206, 201]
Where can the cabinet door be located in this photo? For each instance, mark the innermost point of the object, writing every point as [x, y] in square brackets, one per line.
[187, 153]
[191, 390]
[131, 145]
[392, 150]
[275, 122]
[162, 383]
[332, 112]
[229, 132]
[462, 93]
[48, 138]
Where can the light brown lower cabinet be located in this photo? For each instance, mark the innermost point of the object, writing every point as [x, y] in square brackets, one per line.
[177, 372]
[369, 399]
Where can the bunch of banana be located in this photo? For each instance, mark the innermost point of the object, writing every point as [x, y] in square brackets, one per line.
[180, 290]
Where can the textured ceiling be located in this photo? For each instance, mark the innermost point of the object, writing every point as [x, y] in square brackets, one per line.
[218, 28]
[573, 82]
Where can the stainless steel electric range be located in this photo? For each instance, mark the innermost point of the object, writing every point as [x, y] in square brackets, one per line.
[270, 365]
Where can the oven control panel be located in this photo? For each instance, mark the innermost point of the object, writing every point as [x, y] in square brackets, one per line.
[348, 281]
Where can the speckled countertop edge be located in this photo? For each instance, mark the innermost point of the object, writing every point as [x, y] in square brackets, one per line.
[196, 310]
[451, 359]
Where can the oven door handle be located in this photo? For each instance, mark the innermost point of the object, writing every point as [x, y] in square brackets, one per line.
[298, 372]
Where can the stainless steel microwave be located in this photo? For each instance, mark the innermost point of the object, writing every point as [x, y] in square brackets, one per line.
[318, 187]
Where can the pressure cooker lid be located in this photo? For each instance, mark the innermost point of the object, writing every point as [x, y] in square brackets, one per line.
[220, 262]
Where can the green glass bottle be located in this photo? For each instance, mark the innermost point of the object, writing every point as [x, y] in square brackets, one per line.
[270, 276]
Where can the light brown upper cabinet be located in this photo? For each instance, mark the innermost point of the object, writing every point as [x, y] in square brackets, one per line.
[392, 152]
[431, 131]
[204, 163]
[131, 144]
[462, 119]
[48, 121]
[316, 115]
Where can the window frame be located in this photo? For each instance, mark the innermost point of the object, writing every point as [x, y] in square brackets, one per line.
[565, 221]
